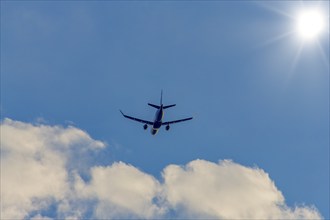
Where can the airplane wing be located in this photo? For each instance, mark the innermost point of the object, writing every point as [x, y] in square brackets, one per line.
[137, 119]
[176, 121]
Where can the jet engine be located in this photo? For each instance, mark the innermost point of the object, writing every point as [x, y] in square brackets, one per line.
[167, 127]
[145, 127]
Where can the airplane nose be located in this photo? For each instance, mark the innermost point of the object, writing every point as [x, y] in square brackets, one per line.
[153, 131]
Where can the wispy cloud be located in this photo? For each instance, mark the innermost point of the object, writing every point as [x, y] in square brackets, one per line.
[38, 171]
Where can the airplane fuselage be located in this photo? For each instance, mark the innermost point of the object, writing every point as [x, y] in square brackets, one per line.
[158, 120]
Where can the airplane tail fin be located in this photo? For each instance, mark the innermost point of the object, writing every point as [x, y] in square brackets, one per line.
[161, 98]
[169, 106]
[161, 103]
[155, 106]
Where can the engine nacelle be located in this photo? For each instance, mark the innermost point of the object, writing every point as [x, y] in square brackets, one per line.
[145, 127]
[167, 127]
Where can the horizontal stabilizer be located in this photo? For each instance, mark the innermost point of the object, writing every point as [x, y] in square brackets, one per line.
[155, 106]
[168, 106]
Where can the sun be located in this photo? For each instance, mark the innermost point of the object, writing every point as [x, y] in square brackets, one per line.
[305, 33]
[310, 24]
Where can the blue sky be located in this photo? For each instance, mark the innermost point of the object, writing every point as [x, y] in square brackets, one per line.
[257, 98]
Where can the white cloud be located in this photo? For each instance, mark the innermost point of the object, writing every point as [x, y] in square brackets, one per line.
[124, 190]
[33, 165]
[227, 191]
[41, 167]
[40, 217]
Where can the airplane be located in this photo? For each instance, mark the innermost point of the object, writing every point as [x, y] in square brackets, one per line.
[157, 123]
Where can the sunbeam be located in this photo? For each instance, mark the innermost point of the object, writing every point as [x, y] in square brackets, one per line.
[273, 9]
[275, 39]
[325, 59]
[294, 63]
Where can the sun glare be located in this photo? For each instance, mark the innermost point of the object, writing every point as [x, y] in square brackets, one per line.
[306, 31]
[310, 24]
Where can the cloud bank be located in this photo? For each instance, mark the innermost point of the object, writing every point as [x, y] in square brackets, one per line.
[43, 171]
